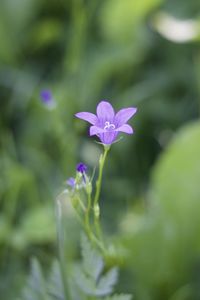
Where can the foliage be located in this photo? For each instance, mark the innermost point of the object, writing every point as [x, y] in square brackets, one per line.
[85, 51]
[88, 275]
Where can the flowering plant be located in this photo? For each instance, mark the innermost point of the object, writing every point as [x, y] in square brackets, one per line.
[106, 124]
[93, 278]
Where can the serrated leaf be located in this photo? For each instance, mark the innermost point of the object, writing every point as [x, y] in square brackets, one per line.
[119, 297]
[35, 289]
[55, 285]
[75, 292]
[55, 296]
[85, 283]
[90, 276]
[90, 287]
[106, 283]
[92, 261]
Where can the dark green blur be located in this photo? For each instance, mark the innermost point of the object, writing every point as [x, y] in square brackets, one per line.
[133, 53]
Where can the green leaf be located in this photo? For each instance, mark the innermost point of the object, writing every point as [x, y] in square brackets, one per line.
[86, 284]
[92, 261]
[107, 282]
[38, 289]
[90, 276]
[172, 225]
[176, 176]
[55, 285]
[35, 289]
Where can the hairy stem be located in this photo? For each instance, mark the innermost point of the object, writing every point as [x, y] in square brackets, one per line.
[87, 216]
[61, 249]
[98, 190]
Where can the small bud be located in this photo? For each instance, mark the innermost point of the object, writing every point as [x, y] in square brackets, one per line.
[75, 201]
[81, 167]
[47, 99]
[88, 187]
[96, 210]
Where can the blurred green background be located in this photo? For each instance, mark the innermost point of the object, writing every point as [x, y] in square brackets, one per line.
[142, 53]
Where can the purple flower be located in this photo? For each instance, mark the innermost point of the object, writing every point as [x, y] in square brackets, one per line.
[47, 98]
[71, 182]
[106, 124]
[81, 167]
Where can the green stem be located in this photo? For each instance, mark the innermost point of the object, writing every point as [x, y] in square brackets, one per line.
[61, 248]
[87, 225]
[86, 222]
[87, 215]
[83, 207]
[98, 189]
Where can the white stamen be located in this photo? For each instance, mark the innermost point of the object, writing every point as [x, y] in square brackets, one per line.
[109, 126]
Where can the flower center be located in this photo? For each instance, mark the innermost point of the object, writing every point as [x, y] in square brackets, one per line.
[109, 126]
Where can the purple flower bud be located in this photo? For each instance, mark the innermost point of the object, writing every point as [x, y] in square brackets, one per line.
[81, 167]
[47, 98]
[71, 182]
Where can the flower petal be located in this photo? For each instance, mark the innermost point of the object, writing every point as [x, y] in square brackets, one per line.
[105, 112]
[123, 115]
[94, 130]
[125, 128]
[108, 137]
[72, 182]
[87, 116]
